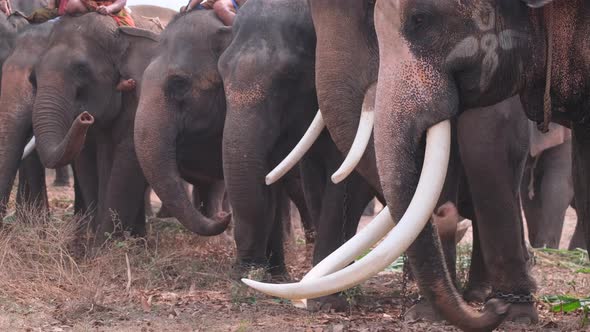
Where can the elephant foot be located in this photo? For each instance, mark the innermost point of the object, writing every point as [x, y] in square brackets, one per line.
[336, 302]
[422, 311]
[477, 293]
[164, 213]
[250, 270]
[523, 313]
[126, 85]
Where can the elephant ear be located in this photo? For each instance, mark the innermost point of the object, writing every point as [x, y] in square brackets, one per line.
[537, 3]
[222, 39]
[136, 47]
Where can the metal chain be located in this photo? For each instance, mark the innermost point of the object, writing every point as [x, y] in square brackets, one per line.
[404, 291]
[513, 298]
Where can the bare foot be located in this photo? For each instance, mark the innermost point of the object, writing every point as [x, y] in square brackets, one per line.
[126, 85]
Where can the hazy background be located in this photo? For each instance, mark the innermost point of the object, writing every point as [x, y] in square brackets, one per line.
[174, 4]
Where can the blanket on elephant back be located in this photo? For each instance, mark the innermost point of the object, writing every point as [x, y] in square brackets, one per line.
[122, 18]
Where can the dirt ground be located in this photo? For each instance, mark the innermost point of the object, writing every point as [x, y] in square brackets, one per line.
[175, 281]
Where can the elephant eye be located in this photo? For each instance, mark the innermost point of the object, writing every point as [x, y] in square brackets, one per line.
[418, 20]
[33, 80]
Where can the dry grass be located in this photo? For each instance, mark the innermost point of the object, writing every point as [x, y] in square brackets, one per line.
[43, 260]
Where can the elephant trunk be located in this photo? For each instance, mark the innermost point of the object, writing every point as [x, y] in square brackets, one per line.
[16, 102]
[341, 80]
[59, 137]
[155, 144]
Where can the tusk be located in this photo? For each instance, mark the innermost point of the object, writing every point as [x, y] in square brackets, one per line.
[362, 138]
[311, 135]
[436, 160]
[350, 250]
[29, 148]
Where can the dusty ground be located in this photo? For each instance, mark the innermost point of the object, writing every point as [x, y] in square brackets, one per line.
[176, 281]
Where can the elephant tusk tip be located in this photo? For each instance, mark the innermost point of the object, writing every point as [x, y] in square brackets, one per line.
[259, 286]
[338, 177]
[249, 283]
[269, 180]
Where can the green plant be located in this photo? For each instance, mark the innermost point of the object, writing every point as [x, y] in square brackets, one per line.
[566, 304]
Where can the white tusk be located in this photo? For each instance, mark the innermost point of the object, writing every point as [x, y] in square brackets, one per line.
[350, 250]
[436, 160]
[29, 148]
[362, 138]
[311, 135]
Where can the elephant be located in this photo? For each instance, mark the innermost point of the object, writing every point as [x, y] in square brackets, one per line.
[440, 58]
[16, 102]
[84, 111]
[268, 77]
[188, 145]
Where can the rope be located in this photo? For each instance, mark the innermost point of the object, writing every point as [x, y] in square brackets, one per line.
[547, 104]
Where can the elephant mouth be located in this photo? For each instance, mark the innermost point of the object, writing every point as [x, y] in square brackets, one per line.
[323, 280]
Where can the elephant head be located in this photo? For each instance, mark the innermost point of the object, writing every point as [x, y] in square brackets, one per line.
[77, 82]
[16, 102]
[183, 101]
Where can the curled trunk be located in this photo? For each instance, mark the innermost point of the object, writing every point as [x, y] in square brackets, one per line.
[155, 144]
[59, 137]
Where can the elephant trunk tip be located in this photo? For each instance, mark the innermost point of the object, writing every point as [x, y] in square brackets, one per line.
[220, 224]
[71, 145]
[493, 314]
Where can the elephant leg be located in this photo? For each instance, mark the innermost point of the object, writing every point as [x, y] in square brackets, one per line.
[313, 179]
[494, 172]
[581, 176]
[342, 207]
[125, 195]
[553, 192]
[530, 193]
[32, 191]
[275, 251]
[578, 238]
[62, 177]
[86, 189]
[294, 187]
[478, 286]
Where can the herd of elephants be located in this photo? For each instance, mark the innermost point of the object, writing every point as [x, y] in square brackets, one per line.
[448, 106]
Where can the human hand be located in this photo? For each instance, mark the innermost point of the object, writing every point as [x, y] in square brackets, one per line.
[104, 10]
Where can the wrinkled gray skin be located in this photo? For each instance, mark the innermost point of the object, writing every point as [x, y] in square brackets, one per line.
[547, 191]
[268, 75]
[16, 104]
[547, 195]
[86, 58]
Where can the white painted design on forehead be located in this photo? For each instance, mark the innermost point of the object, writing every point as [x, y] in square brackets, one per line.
[489, 44]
